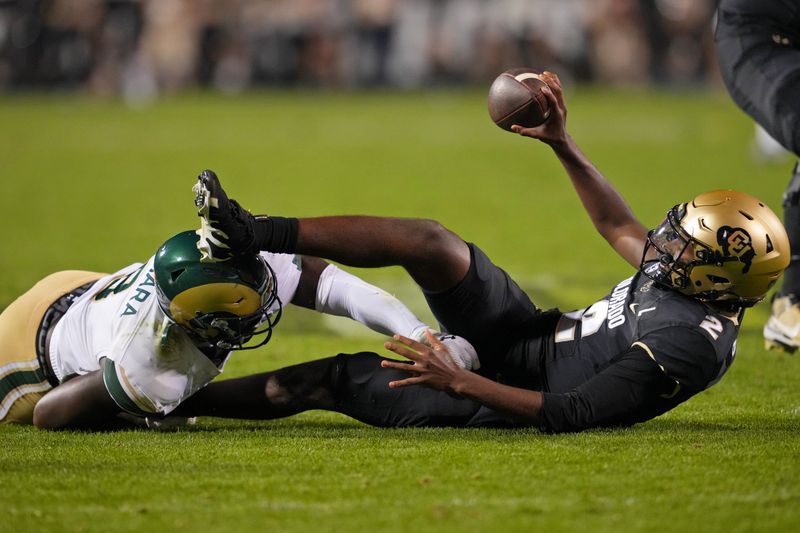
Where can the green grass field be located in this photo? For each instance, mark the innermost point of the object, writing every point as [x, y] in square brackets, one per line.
[95, 185]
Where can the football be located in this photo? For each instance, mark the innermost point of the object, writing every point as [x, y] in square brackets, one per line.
[516, 97]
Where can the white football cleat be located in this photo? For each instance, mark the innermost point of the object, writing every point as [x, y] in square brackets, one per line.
[782, 330]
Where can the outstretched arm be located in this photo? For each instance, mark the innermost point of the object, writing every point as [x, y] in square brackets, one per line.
[82, 403]
[609, 212]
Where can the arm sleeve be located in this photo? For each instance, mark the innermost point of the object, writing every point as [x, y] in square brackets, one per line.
[685, 355]
[342, 294]
[632, 389]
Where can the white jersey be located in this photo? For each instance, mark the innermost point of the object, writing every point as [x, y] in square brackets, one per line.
[152, 363]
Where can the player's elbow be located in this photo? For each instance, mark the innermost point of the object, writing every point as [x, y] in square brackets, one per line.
[53, 412]
[567, 413]
[47, 415]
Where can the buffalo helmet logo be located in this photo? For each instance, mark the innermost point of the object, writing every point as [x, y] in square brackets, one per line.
[736, 242]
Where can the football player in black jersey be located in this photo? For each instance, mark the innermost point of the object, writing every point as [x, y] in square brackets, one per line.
[661, 335]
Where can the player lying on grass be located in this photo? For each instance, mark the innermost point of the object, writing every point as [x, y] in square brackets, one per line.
[145, 338]
[661, 336]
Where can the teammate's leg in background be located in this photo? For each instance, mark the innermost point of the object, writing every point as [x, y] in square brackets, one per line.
[758, 46]
[782, 330]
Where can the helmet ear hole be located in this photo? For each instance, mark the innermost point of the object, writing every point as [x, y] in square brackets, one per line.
[717, 279]
[175, 274]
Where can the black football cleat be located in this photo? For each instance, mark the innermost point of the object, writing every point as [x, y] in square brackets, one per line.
[226, 228]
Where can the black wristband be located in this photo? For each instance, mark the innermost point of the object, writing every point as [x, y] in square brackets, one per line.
[276, 234]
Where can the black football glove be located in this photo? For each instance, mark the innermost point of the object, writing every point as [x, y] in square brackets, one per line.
[226, 228]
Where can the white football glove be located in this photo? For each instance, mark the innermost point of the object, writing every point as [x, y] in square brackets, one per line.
[459, 348]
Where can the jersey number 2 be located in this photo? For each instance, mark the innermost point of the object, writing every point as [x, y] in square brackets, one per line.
[590, 319]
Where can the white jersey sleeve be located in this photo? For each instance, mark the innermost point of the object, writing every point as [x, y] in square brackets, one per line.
[287, 269]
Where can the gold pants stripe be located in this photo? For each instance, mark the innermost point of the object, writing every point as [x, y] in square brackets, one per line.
[19, 323]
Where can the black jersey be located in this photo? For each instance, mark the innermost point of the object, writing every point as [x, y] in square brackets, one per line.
[632, 356]
[691, 343]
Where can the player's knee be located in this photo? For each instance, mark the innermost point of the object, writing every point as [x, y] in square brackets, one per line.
[353, 372]
[308, 384]
[437, 255]
[45, 415]
[434, 239]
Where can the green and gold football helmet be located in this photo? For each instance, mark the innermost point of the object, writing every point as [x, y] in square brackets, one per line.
[222, 304]
[724, 246]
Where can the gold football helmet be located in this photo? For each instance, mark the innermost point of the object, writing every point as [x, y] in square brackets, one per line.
[724, 246]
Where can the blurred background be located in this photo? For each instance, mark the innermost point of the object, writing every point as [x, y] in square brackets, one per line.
[142, 48]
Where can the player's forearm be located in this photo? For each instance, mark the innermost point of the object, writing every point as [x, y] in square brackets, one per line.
[521, 404]
[80, 403]
[605, 206]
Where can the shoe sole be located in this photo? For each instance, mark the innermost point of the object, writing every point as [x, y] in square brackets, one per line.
[203, 201]
[778, 346]
[774, 340]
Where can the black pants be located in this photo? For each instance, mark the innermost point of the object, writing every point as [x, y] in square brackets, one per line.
[493, 313]
[758, 46]
[361, 390]
[489, 310]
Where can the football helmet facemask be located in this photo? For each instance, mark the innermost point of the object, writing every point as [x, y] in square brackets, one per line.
[724, 246]
[223, 305]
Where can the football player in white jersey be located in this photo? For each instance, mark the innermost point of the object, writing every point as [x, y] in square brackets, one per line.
[81, 348]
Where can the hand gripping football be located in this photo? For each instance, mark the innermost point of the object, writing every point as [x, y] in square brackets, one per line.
[516, 97]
